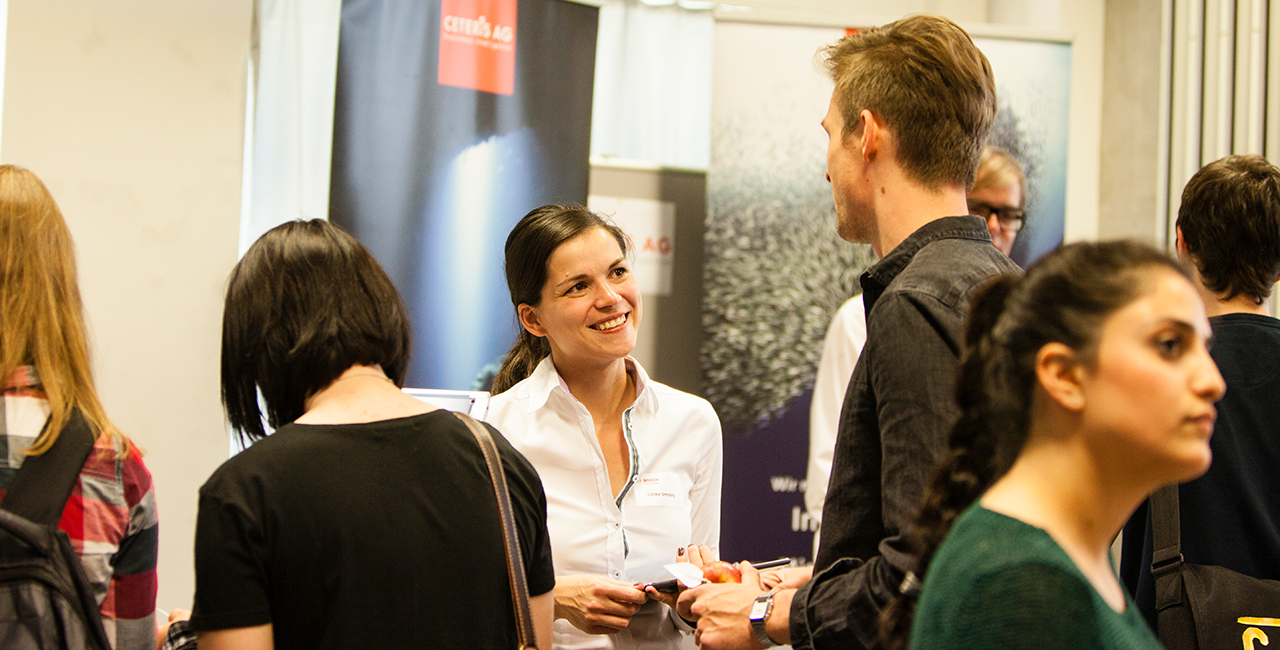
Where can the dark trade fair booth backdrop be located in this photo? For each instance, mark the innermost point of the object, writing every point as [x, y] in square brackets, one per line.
[452, 120]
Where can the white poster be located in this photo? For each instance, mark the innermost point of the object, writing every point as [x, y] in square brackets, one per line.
[775, 273]
[651, 225]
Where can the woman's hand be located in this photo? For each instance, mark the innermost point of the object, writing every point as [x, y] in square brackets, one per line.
[595, 604]
[694, 554]
[697, 555]
[786, 577]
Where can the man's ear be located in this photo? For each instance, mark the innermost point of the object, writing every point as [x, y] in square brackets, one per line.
[871, 134]
[1188, 260]
[1061, 376]
[529, 320]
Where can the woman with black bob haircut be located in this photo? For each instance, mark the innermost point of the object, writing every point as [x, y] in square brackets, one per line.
[305, 305]
[631, 466]
[367, 519]
[1083, 386]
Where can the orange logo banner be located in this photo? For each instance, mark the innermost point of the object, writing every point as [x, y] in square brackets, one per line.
[478, 45]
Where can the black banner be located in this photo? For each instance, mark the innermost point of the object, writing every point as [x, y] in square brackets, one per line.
[432, 177]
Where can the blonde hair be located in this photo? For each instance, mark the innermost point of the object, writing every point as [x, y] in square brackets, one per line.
[41, 315]
[998, 168]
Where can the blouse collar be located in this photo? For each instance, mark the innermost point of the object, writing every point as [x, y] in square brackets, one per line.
[545, 380]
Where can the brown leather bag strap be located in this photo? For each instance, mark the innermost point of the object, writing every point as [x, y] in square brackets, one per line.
[515, 563]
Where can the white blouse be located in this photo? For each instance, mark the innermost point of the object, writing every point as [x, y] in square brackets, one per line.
[672, 498]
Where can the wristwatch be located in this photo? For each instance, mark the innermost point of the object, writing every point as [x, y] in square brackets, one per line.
[760, 611]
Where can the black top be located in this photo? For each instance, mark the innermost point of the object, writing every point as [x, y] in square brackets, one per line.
[379, 535]
[1231, 515]
[897, 412]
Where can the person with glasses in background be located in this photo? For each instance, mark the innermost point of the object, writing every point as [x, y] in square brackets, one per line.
[999, 195]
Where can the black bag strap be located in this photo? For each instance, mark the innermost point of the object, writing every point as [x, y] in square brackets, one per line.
[510, 542]
[1166, 542]
[43, 484]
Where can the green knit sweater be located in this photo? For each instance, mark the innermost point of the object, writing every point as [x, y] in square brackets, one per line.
[999, 583]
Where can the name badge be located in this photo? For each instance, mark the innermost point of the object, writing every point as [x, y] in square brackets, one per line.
[659, 489]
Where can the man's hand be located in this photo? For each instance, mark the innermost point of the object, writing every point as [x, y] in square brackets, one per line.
[597, 605]
[723, 611]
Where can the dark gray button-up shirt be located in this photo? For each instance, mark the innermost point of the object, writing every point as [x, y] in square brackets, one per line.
[897, 413]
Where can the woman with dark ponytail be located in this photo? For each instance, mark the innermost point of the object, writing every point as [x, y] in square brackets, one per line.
[1083, 386]
[631, 467]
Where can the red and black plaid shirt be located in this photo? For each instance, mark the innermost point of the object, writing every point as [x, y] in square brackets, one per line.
[110, 516]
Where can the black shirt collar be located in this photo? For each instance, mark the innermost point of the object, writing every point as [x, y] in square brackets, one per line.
[876, 278]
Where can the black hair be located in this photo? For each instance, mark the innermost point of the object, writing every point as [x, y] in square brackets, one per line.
[529, 247]
[305, 303]
[1230, 221]
[1064, 298]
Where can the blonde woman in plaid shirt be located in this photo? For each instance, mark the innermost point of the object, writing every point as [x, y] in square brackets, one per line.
[110, 516]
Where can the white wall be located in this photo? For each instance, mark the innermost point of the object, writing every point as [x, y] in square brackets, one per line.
[1084, 21]
[1129, 166]
[132, 112]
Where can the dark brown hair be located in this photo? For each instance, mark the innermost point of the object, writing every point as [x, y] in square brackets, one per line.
[1230, 221]
[1064, 298]
[528, 248]
[305, 303]
[930, 84]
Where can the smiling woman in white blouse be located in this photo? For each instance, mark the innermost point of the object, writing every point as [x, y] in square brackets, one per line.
[631, 467]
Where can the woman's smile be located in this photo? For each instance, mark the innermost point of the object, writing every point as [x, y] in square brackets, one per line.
[611, 323]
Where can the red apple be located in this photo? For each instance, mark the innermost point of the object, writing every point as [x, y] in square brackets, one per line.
[721, 572]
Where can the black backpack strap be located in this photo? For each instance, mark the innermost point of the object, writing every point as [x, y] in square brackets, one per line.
[43, 484]
[1166, 542]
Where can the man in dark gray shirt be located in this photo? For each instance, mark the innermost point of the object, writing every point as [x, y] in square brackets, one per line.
[909, 116]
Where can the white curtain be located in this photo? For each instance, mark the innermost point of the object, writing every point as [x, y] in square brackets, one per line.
[652, 96]
[1222, 80]
[289, 119]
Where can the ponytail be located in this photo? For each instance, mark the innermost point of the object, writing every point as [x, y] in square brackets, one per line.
[522, 359]
[1064, 298]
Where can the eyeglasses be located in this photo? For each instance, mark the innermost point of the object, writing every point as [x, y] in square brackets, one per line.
[1011, 219]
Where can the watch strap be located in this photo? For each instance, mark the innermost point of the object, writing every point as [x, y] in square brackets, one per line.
[760, 611]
